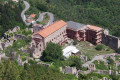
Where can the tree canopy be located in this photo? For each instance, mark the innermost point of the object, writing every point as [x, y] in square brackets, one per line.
[52, 52]
[10, 16]
[9, 70]
[103, 13]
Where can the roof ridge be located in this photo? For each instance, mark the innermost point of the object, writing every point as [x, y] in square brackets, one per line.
[51, 28]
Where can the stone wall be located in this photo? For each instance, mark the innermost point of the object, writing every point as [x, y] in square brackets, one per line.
[107, 72]
[18, 36]
[71, 70]
[111, 41]
[44, 64]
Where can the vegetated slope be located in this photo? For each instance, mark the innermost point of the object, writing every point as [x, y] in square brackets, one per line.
[105, 13]
[9, 16]
[9, 70]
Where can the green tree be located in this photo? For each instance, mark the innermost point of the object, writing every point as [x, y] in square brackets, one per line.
[110, 61]
[9, 70]
[75, 41]
[10, 16]
[76, 62]
[52, 52]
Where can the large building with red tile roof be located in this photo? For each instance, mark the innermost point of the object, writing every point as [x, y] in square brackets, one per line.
[55, 33]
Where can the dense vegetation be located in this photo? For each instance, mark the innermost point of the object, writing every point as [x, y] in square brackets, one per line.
[52, 52]
[104, 13]
[10, 16]
[9, 70]
[118, 51]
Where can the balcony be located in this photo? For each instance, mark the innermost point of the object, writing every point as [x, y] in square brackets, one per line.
[99, 33]
[98, 41]
[98, 37]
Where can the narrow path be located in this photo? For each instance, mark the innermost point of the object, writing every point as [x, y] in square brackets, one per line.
[40, 16]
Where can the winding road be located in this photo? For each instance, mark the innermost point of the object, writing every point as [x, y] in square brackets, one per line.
[51, 18]
[23, 12]
[40, 16]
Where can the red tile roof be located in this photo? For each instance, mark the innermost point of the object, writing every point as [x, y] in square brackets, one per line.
[32, 15]
[52, 28]
[95, 28]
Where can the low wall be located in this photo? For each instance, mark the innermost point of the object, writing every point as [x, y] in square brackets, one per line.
[18, 36]
[111, 41]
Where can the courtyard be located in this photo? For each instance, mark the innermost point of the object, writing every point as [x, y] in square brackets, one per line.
[89, 50]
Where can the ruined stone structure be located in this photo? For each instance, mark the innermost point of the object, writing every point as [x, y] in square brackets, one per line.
[18, 36]
[111, 41]
[108, 72]
[91, 67]
[16, 29]
[55, 33]
[71, 70]
[20, 62]
[44, 64]
[105, 78]
[83, 58]
[37, 27]
[117, 63]
[2, 55]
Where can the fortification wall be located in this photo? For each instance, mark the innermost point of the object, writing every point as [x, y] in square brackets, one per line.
[111, 41]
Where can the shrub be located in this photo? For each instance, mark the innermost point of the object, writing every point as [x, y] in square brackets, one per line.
[110, 61]
[108, 49]
[76, 62]
[75, 42]
[84, 68]
[118, 50]
[99, 47]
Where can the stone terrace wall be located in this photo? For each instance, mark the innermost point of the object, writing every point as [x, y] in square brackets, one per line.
[111, 41]
[18, 36]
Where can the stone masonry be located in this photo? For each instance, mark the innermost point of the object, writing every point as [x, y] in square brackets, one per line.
[111, 41]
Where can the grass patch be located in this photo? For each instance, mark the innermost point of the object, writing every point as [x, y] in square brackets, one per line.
[90, 51]
[45, 20]
[117, 58]
[101, 65]
[24, 32]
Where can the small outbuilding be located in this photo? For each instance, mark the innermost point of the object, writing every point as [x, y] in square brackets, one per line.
[68, 51]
